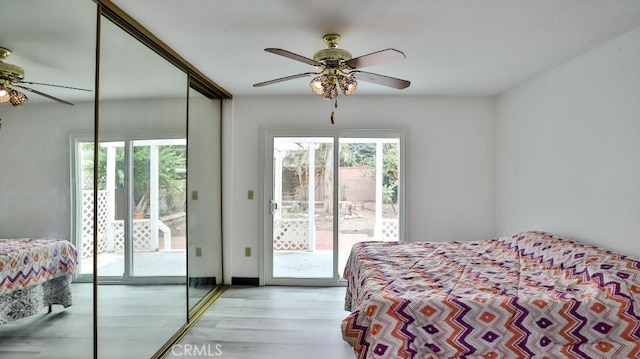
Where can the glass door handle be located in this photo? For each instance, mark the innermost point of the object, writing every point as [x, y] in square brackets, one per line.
[273, 207]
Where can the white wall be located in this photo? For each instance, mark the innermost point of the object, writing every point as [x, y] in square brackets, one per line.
[35, 167]
[568, 146]
[449, 162]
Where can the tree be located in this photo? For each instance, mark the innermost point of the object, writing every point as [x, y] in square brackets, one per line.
[171, 158]
[390, 172]
[357, 154]
[364, 155]
[325, 154]
[354, 154]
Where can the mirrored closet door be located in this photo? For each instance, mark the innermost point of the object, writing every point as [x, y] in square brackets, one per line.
[205, 196]
[132, 180]
[142, 147]
[52, 43]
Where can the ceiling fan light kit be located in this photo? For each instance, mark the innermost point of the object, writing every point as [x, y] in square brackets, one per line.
[12, 79]
[337, 68]
[14, 97]
[9, 72]
[348, 84]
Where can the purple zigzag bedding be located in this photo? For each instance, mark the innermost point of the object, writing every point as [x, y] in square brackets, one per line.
[34, 273]
[531, 295]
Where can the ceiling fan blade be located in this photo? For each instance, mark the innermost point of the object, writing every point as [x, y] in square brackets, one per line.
[293, 56]
[260, 84]
[376, 58]
[381, 80]
[44, 95]
[40, 83]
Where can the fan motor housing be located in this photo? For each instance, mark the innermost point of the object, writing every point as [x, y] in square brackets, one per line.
[8, 71]
[332, 53]
[11, 72]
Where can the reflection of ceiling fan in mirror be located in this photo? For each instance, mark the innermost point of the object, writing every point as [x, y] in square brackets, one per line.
[12, 79]
[336, 68]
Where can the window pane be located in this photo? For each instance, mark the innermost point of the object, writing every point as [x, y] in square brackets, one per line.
[368, 189]
[303, 220]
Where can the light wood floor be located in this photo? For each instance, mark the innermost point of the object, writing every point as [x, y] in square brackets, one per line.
[135, 321]
[244, 323]
[270, 322]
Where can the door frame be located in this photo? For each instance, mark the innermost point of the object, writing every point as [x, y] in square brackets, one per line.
[265, 218]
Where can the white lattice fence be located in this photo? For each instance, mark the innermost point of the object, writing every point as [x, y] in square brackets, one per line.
[141, 228]
[390, 230]
[291, 235]
[87, 222]
[141, 235]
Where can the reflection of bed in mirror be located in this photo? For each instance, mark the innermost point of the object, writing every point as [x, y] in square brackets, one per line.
[35, 273]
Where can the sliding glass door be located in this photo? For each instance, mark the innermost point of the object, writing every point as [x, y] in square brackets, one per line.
[301, 208]
[158, 237]
[141, 215]
[324, 194]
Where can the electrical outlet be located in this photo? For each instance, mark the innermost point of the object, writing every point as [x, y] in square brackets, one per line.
[247, 251]
[198, 252]
[250, 194]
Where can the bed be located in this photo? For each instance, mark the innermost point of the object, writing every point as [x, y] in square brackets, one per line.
[530, 295]
[35, 273]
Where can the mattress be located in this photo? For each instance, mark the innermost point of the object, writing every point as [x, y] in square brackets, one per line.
[533, 294]
[28, 262]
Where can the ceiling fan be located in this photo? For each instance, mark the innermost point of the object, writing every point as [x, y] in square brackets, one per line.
[12, 78]
[336, 68]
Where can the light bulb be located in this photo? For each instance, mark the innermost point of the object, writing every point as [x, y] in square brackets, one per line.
[17, 98]
[316, 84]
[324, 86]
[348, 84]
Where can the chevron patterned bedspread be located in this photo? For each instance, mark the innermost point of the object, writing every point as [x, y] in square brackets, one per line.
[30, 261]
[530, 295]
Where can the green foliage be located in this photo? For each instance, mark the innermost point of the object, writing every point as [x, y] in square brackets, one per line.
[390, 168]
[389, 192]
[170, 158]
[357, 155]
[298, 160]
[364, 155]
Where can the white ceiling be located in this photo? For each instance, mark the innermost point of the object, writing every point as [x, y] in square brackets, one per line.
[459, 47]
[453, 47]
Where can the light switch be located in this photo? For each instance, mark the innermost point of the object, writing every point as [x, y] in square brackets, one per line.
[194, 195]
[250, 194]
[247, 251]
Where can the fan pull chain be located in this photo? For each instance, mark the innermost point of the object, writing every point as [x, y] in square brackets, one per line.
[335, 105]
